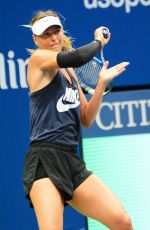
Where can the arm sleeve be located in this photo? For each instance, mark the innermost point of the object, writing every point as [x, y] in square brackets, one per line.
[79, 56]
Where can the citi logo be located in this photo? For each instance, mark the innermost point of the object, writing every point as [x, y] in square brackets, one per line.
[115, 3]
[123, 114]
[12, 72]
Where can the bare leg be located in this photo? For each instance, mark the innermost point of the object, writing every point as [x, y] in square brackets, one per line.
[93, 199]
[48, 205]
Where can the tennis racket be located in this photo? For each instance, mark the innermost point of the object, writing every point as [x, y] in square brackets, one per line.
[88, 74]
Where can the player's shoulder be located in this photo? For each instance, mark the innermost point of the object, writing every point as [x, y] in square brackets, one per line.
[34, 55]
[38, 55]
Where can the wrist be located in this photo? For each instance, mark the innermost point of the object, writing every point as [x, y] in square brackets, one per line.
[102, 82]
[98, 41]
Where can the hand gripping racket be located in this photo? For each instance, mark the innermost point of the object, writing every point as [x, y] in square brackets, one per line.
[88, 74]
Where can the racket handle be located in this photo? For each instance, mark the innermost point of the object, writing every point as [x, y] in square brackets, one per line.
[105, 31]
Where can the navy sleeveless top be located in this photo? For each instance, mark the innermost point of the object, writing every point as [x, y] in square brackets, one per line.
[55, 112]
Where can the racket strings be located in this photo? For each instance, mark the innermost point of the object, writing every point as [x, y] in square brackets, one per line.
[88, 74]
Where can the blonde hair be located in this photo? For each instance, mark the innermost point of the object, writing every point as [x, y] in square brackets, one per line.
[67, 41]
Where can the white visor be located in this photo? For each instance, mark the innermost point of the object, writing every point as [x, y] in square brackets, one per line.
[42, 24]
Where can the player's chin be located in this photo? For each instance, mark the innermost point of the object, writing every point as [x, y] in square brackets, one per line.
[56, 48]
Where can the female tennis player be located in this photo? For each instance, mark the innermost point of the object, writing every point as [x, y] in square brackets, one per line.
[54, 175]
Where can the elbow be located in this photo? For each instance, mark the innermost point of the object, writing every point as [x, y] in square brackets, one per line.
[86, 120]
[86, 124]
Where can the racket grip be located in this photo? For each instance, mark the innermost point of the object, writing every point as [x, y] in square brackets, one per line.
[105, 31]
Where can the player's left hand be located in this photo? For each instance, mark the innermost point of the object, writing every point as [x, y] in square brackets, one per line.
[108, 74]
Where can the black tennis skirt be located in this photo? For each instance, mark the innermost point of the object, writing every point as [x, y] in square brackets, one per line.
[60, 163]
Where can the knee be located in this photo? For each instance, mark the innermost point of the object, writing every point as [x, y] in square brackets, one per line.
[122, 222]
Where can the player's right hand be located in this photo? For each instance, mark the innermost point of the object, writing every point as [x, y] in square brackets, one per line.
[98, 35]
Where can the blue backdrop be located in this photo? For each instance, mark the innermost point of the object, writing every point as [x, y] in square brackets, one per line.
[129, 25]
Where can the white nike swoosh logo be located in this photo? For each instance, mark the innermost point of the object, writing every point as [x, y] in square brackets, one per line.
[61, 107]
